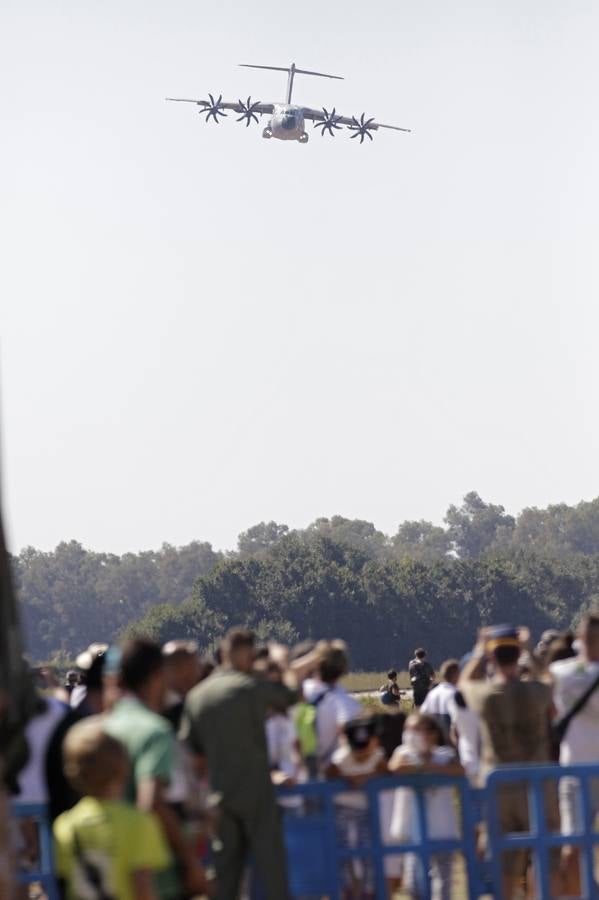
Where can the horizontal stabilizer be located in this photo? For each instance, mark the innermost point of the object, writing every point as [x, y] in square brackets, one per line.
[272, 68]
[289, 69]
[320, 74]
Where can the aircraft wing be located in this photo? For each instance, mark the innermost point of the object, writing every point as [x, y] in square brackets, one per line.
[317, 115]
[262, 109]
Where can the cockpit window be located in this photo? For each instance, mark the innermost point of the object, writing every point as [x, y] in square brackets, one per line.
[288, 120]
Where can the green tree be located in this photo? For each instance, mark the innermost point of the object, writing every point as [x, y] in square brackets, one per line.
[260, 538]
[475, 525]
[422, 541]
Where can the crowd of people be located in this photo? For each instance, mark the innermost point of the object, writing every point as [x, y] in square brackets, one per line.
[160, 767]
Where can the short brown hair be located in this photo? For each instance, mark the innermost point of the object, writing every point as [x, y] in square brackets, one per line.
[238, 638]
[93, 760]
[449, 669]
[334, 660]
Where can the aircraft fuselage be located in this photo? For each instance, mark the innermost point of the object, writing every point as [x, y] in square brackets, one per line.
[286, 124]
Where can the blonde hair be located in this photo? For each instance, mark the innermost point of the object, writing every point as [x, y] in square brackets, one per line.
[93, 760]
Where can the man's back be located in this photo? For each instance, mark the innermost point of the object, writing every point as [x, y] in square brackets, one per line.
[571, 678]
[224, 720]
[438, 701]
[148, 738]
[514, 720]
[421, 671]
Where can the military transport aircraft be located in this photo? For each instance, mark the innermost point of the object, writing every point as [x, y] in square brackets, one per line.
[287, 120]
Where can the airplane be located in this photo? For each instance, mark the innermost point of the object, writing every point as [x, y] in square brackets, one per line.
[288, 120]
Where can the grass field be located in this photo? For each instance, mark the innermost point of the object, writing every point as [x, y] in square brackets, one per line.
[371, 681]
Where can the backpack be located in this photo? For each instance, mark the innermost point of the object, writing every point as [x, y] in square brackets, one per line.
[305, 724]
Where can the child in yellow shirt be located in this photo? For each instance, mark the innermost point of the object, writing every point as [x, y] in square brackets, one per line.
[105, 849]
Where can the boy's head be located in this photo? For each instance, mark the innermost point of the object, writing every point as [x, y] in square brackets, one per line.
[361, 736]
[420, 653]
[392, 675]
[334, 661]
[450, 671]
[95, 763]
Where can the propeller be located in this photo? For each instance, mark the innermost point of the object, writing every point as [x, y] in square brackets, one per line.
[249, 111]
[361, 127]
[214, 109]
[329, 122]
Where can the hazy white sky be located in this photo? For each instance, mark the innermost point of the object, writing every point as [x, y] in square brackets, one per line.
[201, 329]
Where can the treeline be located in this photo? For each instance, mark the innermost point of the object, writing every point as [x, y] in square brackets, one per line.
[339, 577]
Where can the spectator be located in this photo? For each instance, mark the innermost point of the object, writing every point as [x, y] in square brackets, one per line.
[424, 749]
[563, 648]
[572, 678]
[182, 673]
[312, 686]
[546, 642]
[282, 744]
[422, 676]
[514, 727]
[104, 847]
[438, 701]
[334, 706]
[85, 661]
[357, 760]
[150, 743]
[32, 785]
[62, 794]
[465, 726]
[389, 692]
[223, 723]
[389, 730]
[71, 681]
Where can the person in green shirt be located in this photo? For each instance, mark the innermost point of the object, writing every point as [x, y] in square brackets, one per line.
[150, 742]
[224, 726]
[104, 847]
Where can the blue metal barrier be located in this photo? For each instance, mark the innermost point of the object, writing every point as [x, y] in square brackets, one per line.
[540, 839]
[316, 852]
[43, 875]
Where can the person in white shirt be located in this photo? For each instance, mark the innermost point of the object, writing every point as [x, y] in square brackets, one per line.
[33, 787]
[424, 750]
[571, 678]
[438, 700]
[465, 725]
[334, 706]
[32, 783]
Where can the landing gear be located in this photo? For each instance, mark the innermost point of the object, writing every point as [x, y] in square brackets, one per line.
[267, 133]
[304, 138]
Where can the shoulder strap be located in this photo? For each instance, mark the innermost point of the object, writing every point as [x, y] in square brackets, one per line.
[564, 721]
[318, 700]
[92, 873]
